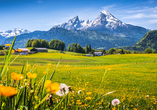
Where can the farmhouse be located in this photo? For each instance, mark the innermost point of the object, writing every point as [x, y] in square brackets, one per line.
[98, 53]
[35, 50]
[22, 50]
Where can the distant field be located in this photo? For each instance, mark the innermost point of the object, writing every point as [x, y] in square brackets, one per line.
[132, 75]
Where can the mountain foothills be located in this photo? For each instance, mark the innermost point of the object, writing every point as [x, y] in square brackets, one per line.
[10, 33]
[96, 39]
[148, 41]
[105, 32]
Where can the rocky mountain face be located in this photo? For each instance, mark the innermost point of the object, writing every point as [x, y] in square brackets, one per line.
[106, 23]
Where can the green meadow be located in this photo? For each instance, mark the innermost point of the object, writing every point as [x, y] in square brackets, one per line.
[132, 77]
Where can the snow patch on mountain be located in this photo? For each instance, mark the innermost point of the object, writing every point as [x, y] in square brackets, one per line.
[15, 32]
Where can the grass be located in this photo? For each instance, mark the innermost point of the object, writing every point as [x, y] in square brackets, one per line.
[132, 77]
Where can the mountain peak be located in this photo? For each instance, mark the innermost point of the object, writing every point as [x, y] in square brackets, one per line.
[73, 20]
[14, 32]
[106, 12]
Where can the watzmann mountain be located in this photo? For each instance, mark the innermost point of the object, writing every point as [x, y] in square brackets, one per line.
[106, 31]
[106, 23]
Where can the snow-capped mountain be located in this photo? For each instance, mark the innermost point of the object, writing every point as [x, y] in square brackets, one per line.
[74, 23]
[10, 33]
[106, 23]
[105, 19]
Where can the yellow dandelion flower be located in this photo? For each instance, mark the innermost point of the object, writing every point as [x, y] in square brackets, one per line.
[7, 91]
[31, 76]
[88, 98]
[66, 65]
[49, 64]
[16, 76]
[131, 105]
[78, 101]
[12, 51]
[54, 87]
[44, 72]
[114, 108]
[34, 75]
[7, 45]
[88, 93]
[108, 69]
[48, 83]
[28, 66]
[135, 108]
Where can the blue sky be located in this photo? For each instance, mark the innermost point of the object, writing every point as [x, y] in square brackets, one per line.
[44, 14]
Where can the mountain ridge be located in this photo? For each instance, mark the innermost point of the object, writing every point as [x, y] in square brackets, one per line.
[106, 23]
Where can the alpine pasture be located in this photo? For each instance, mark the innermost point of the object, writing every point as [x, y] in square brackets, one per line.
[131, 78]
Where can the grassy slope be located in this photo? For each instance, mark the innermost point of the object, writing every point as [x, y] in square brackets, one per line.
[130, 74]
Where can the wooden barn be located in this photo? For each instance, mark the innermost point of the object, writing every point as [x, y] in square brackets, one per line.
[36, 50]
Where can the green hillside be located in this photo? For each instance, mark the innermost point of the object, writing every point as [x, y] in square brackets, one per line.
[148, 41]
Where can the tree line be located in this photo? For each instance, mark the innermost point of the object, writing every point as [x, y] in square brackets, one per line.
[74, 47]
[53, 44]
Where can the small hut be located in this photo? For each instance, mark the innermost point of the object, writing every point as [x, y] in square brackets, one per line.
[98, 53]
[36, 50]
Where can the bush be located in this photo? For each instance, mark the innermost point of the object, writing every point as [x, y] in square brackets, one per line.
[148, 50]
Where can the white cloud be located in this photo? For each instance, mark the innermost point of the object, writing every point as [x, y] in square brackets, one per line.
[108, 7]
[39, 1]
[153, 21]
[143, 10]
[135, 16]
[140, 15]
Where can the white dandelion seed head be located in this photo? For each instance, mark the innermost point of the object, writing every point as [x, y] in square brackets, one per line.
[79, 91]
[63, 90]
[115, 102]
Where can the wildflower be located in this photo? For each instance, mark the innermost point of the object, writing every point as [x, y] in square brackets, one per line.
[78, 101]
[48, 83]
[49, 64]
[66, 65]
[63, 90]
[88, 98]
[88, 93]
[147, 96]
[31, 76]
[7, 91]
[7, 45]
[54, 87]
[135, 108]
[12, 51]
[51, 87]
[115, 102]
[28, 66]
[79, 91]
[16, 76]
[114, 108]
[108, 69]
[44, 72]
